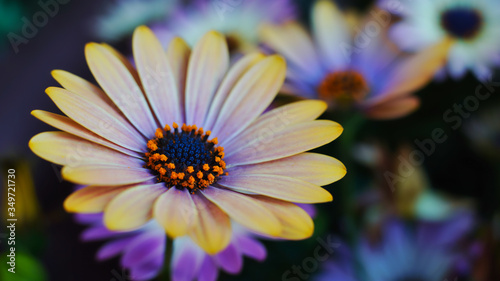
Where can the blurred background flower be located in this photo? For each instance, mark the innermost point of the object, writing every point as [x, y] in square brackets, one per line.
[370, 78]
[473, 24]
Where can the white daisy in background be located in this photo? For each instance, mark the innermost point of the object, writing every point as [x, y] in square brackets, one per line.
[122, 17]
[237, 20]
[472, 23]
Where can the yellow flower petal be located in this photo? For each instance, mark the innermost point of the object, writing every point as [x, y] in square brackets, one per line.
[275, 121]
[96, 119]
[244, 210]
[176, 212]
[92, 199]
[132, 208]
[105, 175]
[157, 77]
[292, 140]
[279, 187]
[295, 222]
[235, 73]
[315, 168]
[212, 231]
[178, 54]
[120, 85]
[208, 64]
[65, 149]
[66, 124]
[251, 95]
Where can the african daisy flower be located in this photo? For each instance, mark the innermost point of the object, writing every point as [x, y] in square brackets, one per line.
[142, 251]
[226, 160]
[337, 68]
[424, 252]
[237, 20]
[472, 23]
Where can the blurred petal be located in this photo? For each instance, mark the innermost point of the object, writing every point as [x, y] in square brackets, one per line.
[230, 259]
[332, 34]
[393, 109]
[209, 270]
[414, 72]
[294, 43]
[250, 247]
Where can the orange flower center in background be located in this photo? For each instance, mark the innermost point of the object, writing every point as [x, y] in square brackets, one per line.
[343, 87]
[185, 158]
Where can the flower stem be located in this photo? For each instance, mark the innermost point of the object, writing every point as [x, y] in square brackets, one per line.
[352, 125]
[166, 273]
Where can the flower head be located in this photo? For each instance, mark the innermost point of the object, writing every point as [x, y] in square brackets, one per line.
[348, 69]
[427, 252]
[226, 160]
[142, 251]
[237, 20]
[473, 24]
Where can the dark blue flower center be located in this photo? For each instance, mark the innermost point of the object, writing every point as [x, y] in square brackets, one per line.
[185, 158]
[461, 22]
[185, 150]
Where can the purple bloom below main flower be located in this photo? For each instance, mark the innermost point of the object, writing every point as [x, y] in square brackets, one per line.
[426, 251]
[142, 251]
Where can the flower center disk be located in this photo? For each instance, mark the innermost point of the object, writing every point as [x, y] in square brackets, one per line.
[185, 158]
[462, 22]
[343, 87]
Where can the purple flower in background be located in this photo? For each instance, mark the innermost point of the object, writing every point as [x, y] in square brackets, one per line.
[350, 69]
[237, 20]
[424, 252]
[190, 262]
[142, 251]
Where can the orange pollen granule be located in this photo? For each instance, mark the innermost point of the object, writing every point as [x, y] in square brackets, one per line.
[184, 157]
[343, 86]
